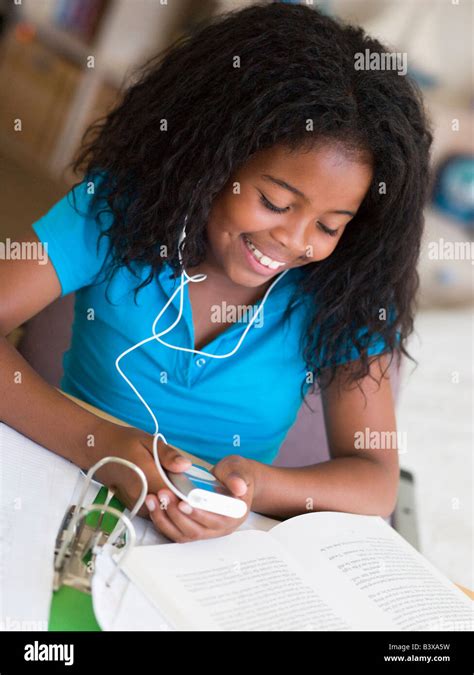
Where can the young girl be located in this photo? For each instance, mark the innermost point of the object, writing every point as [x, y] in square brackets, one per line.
[296, 178]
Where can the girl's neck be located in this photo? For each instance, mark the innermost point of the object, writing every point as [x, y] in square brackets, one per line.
[218, 282]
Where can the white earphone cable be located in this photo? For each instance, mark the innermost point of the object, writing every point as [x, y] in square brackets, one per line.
[156, 336]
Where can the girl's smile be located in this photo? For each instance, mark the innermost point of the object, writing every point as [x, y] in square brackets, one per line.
[259, 260]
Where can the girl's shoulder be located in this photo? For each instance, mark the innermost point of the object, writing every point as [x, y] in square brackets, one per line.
[71, 233]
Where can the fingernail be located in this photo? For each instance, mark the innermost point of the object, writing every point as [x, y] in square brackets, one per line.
[181, 460]
[164, 500]
[150, 503]
[185, 508]
[243, 489]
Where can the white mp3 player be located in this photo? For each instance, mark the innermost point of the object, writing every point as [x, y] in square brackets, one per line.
[202, 490]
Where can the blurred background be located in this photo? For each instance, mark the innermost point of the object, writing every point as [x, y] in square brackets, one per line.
[47, 81]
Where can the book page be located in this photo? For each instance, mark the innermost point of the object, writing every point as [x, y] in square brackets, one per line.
[243, 581]
[369, 562]
[123, 606]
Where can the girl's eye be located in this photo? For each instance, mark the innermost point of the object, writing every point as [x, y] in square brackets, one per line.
[327, 230]
[271, 206]
[276, 209]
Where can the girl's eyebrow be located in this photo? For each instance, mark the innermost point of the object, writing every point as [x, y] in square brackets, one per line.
[291, 188]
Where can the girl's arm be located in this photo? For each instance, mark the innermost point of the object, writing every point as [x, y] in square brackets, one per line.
[36, 409]
[355, 480]
[28, 403]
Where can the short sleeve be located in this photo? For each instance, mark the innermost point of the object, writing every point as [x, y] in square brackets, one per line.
[375, 345]
[70, 232]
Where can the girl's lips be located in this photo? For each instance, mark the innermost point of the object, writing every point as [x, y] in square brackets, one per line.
[254, 264]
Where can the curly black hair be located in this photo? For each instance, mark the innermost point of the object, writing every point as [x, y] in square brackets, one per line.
[296, 64]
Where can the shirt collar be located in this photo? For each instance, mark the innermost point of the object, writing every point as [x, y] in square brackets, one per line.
[277, 299]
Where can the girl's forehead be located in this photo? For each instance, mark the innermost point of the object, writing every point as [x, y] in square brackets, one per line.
[327, 168]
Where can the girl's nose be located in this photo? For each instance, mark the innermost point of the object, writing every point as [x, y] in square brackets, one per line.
[295, 237]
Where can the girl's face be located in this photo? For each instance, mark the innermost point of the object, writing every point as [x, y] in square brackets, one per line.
[283, 209]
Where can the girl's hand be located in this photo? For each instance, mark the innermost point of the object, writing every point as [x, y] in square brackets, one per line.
[136, 446]
[182, 523]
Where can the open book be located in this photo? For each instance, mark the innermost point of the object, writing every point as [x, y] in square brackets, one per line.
[318, 571]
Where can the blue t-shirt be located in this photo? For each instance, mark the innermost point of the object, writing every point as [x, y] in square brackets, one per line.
[244, 404]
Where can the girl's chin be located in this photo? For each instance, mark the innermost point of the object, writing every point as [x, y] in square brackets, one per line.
[241, 276]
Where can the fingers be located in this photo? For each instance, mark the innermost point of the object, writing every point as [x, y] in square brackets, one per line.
[208, 520]
[171, 522]
[180, 522]
[171, 458]
[188, 525]
[161, 521]
[232, 472]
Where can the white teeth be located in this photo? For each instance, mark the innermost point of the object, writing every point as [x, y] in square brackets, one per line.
[263, 259]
